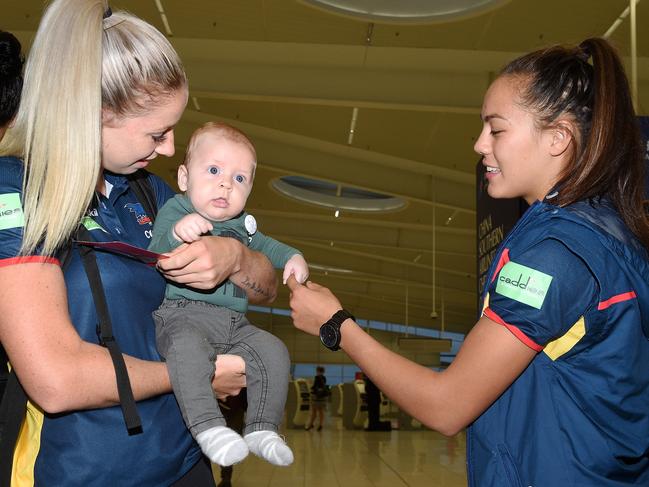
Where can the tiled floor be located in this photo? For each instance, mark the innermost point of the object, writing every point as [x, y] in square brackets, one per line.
[335, 457]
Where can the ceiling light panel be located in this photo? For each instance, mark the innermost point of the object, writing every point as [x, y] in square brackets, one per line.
[407, 11]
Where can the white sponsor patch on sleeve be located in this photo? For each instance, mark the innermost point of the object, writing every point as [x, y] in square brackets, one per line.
[523, 284]
[11, 211]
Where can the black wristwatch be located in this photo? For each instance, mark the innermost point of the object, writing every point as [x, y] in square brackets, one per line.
[330, 331]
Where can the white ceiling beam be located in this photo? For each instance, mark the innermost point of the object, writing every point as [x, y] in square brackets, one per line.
[363, 85]
[401, 248]
[340, 55]
[324, 229]
[359, 222]
[381, 258]
[377, 105]
[453, 279]
[419, 291]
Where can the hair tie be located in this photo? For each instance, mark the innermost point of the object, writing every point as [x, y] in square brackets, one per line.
[584, 54]
[109, 23]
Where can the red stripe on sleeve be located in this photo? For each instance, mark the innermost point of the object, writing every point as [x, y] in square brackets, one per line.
[504, 258]
[29, 259]
[616, 299]
[517, 332]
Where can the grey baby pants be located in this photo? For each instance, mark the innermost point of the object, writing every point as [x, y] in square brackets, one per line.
[189, 336]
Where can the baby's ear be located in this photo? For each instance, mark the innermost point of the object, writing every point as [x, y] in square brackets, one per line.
[182, 177]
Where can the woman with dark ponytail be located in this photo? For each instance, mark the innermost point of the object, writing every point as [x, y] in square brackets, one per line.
[553, 380]
[587, 84]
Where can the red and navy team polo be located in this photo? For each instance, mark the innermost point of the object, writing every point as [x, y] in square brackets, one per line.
[572, 284]
[93, 447]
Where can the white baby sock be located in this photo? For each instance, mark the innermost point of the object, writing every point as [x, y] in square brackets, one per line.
[222, 445]
[269, 446]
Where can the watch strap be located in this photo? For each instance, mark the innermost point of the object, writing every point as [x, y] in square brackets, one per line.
[340, 316]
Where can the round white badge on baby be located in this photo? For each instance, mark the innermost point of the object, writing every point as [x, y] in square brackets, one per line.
[251, 224]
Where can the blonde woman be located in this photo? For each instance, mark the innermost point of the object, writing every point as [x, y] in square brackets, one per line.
[103, 91]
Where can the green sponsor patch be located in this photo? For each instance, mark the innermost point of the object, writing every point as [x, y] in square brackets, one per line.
[523, 284]
[11, 211]
[91, 224]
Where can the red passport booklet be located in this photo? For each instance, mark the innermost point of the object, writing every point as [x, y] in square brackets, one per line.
[129, 250]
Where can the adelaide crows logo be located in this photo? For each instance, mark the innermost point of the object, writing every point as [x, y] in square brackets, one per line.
[140, 215]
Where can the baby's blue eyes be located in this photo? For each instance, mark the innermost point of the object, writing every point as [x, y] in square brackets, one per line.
[215, 171]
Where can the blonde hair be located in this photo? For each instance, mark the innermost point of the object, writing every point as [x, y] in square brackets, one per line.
[221, 131]
[80, 63]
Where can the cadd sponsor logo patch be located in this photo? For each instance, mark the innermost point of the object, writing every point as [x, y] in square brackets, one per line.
[11, 211]
[523, 284]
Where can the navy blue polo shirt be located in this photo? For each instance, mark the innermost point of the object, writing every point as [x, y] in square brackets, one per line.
[571, 283]
[93, 447]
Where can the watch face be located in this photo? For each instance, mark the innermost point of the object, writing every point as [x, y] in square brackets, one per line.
[329, 335]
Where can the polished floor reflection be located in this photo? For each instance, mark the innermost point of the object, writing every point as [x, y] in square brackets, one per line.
[336, 457]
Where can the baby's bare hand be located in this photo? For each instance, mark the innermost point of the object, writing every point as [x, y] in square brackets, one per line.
[190, 228]
[297, 266]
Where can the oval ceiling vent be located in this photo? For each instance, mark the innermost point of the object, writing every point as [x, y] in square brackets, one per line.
[336, 196]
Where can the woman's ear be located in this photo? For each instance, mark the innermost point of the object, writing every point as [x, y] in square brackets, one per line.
[182, 177]
[562, 137]
[108, 117]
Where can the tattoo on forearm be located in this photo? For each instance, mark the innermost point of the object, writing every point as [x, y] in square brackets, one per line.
[257, 288]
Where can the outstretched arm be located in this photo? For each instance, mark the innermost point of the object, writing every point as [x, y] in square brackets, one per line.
[490, 359]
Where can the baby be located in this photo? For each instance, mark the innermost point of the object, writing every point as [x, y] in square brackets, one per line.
[193, 326]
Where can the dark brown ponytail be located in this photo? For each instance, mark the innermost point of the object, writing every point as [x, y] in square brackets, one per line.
[588, 84]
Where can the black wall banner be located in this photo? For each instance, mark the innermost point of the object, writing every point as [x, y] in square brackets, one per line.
[643, 122]
[644, 132]
[494, 219]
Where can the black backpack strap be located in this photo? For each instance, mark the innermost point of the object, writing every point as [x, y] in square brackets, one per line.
[12, 413]
[141, 187]
[4, 375]
[106, 338]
